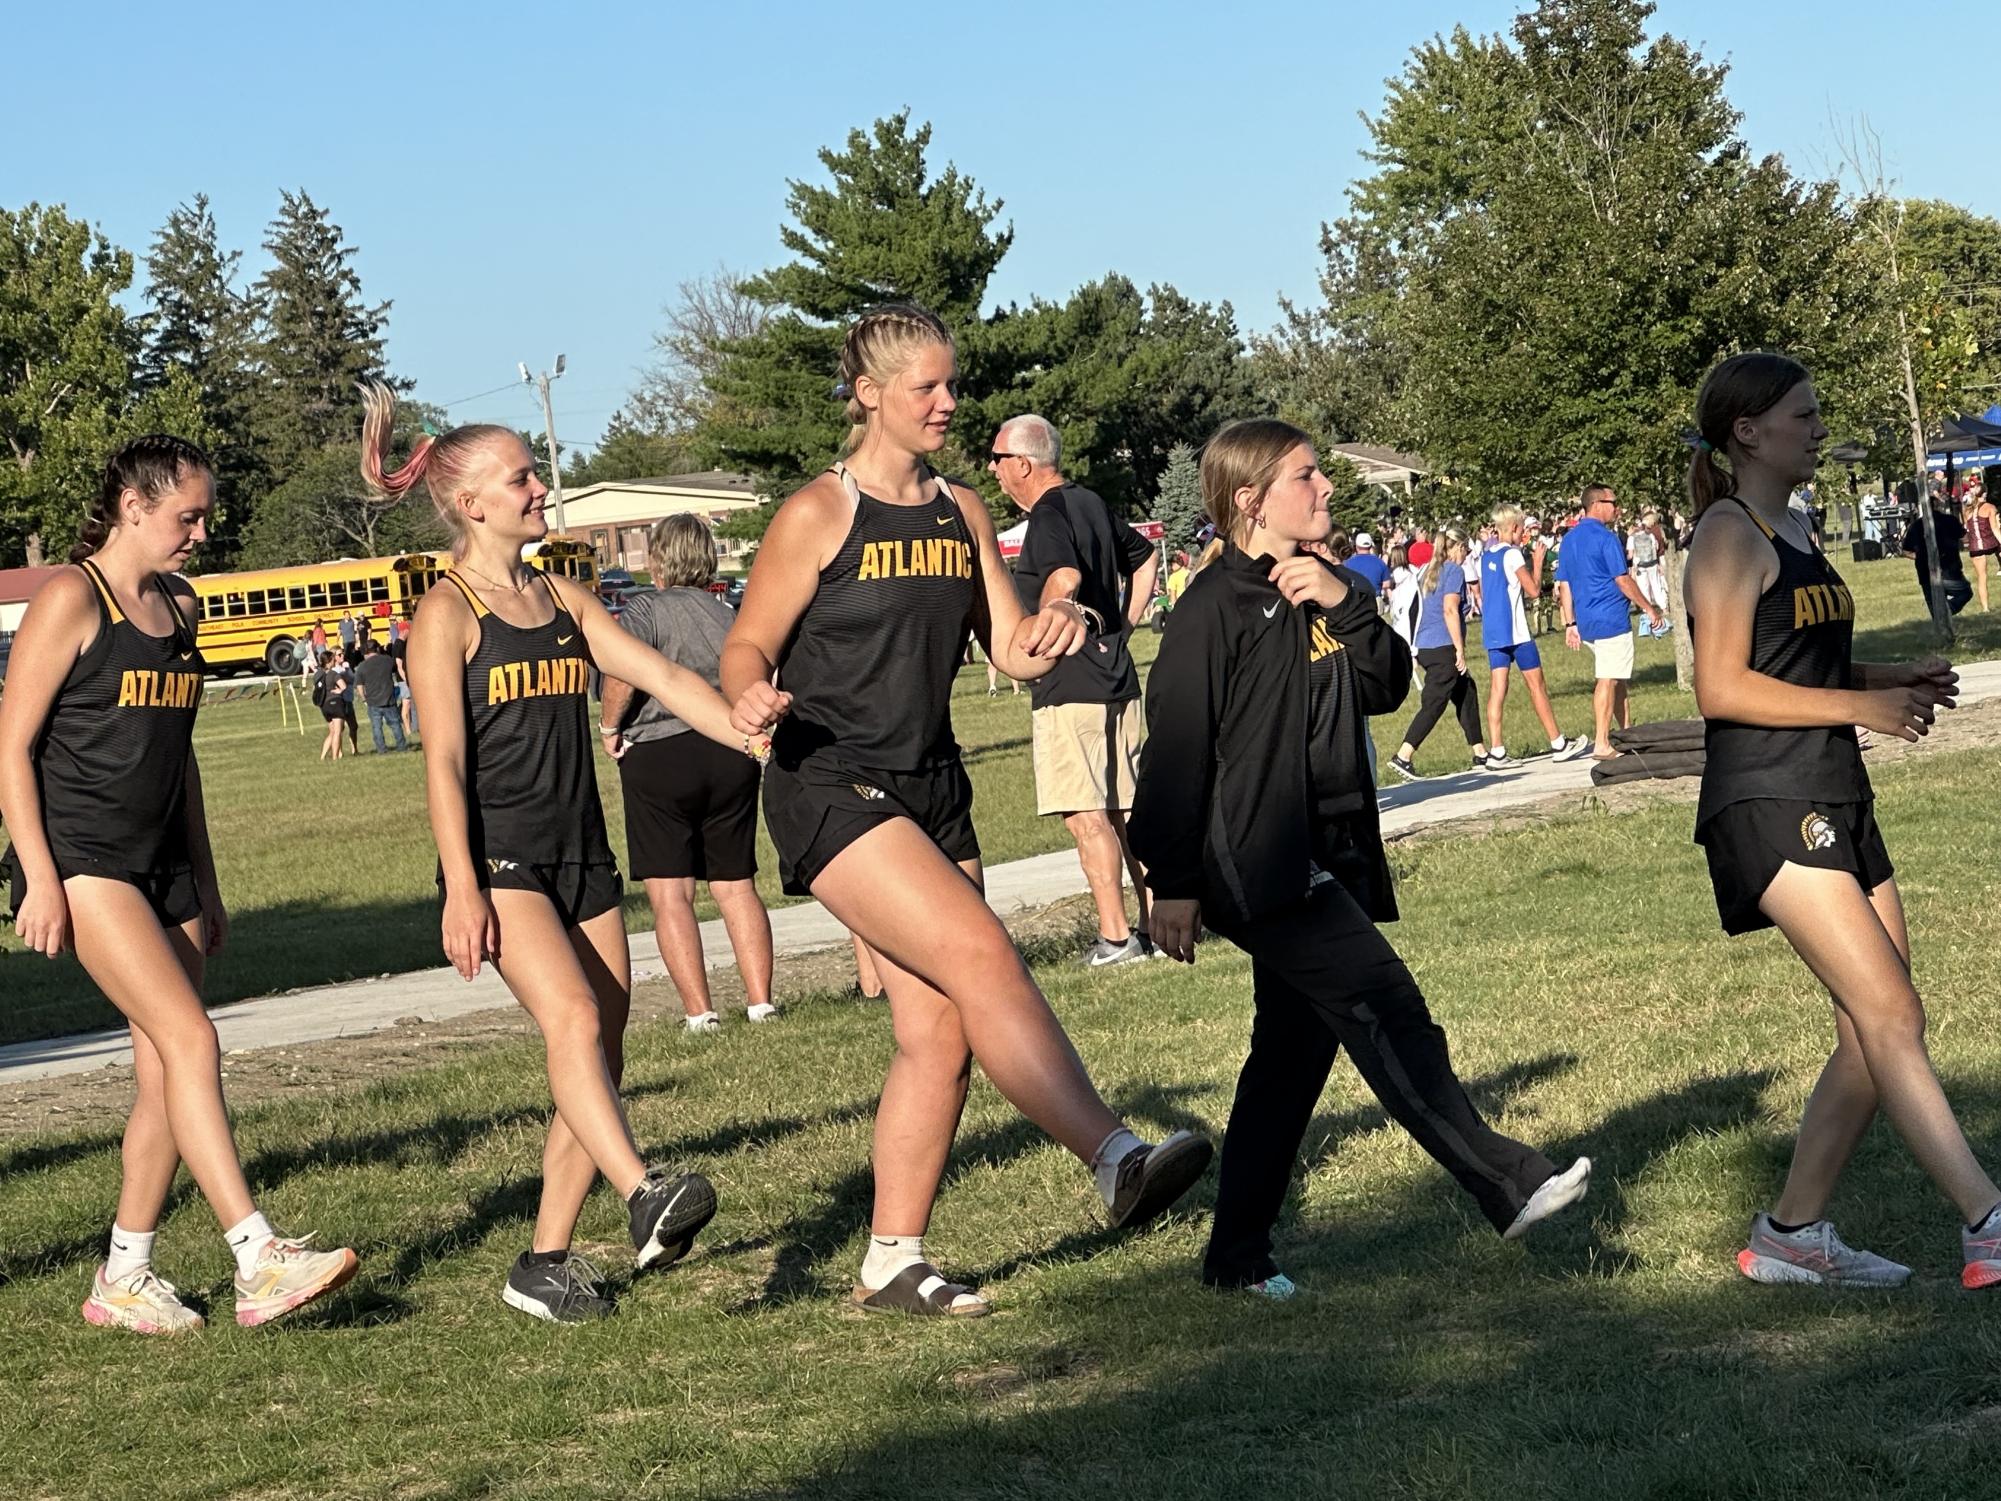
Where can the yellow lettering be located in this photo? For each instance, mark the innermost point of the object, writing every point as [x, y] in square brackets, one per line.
[496, 686]
[1802, 609]
[128, 684]
[870, 569]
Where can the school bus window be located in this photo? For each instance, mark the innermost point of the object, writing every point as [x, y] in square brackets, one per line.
[312, 597]
[378, 590]
[337, 593]
[256, 599]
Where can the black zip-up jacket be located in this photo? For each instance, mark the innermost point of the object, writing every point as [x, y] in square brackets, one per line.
[1224, 811]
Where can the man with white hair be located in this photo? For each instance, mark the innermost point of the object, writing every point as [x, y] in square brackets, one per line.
[1086, 713]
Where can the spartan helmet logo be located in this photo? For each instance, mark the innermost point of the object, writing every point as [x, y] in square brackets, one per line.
[1816, 832]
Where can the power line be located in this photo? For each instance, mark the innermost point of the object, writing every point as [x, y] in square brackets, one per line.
[477, 394]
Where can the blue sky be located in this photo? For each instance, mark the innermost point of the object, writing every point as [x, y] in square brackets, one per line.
[524, 180]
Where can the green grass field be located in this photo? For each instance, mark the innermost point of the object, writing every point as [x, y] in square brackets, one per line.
[1593, 1006]
[329, 870]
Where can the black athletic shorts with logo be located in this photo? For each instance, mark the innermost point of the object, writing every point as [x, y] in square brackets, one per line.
[577, 892]
[817, 811]
[1748, 841]
[169, 891]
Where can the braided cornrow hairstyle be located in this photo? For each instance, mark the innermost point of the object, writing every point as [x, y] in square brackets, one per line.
[881, 346]
[152, 465]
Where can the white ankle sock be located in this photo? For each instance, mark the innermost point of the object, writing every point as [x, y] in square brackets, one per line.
[131, 1251]
[1498, 752]
[1105, 1161]
[247, 1239]
[888, 1255]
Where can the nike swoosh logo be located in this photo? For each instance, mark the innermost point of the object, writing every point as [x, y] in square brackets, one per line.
[942, 520]
[187, 656]
[566, 640]
[1271, 612]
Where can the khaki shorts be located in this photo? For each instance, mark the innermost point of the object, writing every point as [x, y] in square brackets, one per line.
[1613, 657]
[1087, 756]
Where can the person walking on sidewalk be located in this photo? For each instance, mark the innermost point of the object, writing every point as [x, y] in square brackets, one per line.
[377, 676]
[1507, 581]
[1786, 817]
[1257, 817]
[1645, 550]
[1085, 711]
[1441, 655]
[860, 600]
[110, 855]
[1597, 598]
[500, 655]
[690, 803]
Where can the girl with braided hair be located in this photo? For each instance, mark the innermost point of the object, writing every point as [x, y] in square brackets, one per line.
[859, 604]
[102, 796]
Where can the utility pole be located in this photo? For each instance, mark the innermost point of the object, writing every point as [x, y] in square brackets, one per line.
[541, 383]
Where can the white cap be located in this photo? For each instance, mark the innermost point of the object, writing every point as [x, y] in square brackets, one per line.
[1364, 542]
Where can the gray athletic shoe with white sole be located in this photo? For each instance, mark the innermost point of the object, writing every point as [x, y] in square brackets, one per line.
[1814, 1254]
[570, 1291]
[1105, 952]
[666, 1213]
[1573, 747]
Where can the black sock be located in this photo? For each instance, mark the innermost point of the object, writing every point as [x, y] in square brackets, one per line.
[545, 1258]
[1790, 1229]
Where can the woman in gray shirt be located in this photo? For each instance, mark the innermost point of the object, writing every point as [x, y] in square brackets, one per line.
[690, 804]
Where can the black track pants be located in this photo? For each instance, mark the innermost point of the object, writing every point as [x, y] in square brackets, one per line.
[1444, 684]
[1324, 979]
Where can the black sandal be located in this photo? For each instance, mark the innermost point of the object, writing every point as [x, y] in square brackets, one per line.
[919, 1290]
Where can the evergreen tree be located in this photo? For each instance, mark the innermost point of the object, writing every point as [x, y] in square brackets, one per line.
[886, 230]
[1179, 506]
[202, 326]
[319, 339]
[627, 451]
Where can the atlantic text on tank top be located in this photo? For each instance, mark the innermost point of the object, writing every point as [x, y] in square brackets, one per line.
[1803, 633]
[531, 789]
[112, 762]
[871, 663]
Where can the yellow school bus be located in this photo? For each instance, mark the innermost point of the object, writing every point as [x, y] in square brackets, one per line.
[572, 559]
[261, 619]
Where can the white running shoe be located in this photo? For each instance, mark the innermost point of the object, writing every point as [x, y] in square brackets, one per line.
[289, 1274]
[1572, 747]
[143, 1301]
[1814, 1254]
[764, 1012]
[1558, 1191]
[701, 1025]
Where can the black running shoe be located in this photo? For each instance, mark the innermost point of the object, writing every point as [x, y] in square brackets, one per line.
[570, 1291]
[1152, 1178]
[667, 1213]
[1405, 770]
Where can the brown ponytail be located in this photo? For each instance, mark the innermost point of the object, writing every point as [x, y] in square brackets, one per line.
[152, 465]
[1745, 385]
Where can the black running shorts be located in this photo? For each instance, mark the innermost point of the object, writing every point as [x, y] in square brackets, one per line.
[577, 892]
[690, 809]
[817, 811]
[169, 891]
[1747, 842]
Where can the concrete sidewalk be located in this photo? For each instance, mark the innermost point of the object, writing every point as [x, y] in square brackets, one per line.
[363, 1006]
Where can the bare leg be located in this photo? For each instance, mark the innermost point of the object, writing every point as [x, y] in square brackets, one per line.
[125, 952]
[1847, 941]
[1622, 703]
[1099, 852]
[923, 1096]
[868, 980]
[567, 1171]
[680, 937]
[749, 927]
[1137, 871]
[148, 1152]
[1604, 702]
[1539, 698]
[546, 977]
[1980, 580]
[896, 889]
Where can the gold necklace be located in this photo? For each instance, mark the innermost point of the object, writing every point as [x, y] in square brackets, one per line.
[519, 588]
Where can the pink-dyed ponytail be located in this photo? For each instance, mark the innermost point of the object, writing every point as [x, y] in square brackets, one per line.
[377, 429]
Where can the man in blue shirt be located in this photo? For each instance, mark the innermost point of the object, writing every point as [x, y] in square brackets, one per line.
[1597, 597]
[1368, 565]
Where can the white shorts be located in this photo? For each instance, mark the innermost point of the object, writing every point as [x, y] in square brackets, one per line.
[1612, 657]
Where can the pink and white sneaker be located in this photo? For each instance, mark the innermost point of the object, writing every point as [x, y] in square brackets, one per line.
[290, 1274]
[1981, 1246]
[143, 1301]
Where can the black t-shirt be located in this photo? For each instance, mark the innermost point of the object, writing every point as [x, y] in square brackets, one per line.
[336, 687]
[1069, 527]
[377, 675]
[1950, 535]
[1340, 783]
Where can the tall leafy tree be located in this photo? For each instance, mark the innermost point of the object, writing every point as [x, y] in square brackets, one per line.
[884, 230]
[202, 326]
[68, 392]
[320, 337]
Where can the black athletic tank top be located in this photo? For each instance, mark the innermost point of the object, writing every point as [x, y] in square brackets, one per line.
[871, 663]
[531, 790]
[1802, 634]
[112, 761]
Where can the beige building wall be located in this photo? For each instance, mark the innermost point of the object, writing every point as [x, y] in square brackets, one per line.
[614, 518]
